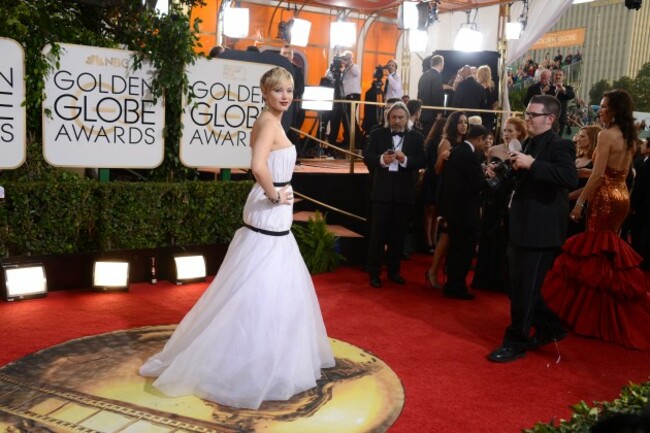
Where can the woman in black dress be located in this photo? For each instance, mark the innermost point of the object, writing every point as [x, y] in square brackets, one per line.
[430, 183]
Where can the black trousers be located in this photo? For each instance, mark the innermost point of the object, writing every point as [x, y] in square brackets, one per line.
[528, 268]
[389, 225]
[462, 243]
[341, 113]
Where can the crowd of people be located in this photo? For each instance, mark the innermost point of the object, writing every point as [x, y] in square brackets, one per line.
[501, 199]
[519, 199]
[529, 69]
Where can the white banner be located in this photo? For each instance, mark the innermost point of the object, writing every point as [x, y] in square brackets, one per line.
[218, 121]
[12, 95]
[98, 112]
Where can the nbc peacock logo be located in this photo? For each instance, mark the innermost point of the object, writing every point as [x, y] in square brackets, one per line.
[96, 60]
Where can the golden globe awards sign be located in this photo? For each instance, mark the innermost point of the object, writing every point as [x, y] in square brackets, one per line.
[217, 122]
[12, 114]
[99, 112]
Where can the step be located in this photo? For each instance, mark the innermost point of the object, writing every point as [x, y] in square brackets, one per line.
[336, 230]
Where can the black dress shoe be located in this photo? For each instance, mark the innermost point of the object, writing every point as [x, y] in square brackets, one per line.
[460, 296]
[538, 341]
[375, 282]
[506, 354]
[397, 279]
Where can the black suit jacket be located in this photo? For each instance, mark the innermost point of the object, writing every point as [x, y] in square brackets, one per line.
[394, 186]
[470, 94]
[431, 93]
[461, 182]
[539, 213]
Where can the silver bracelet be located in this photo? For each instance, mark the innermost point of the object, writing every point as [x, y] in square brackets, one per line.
[274, 200]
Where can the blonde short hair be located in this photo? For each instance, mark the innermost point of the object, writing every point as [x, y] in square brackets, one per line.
[273, 77]
[474, 120]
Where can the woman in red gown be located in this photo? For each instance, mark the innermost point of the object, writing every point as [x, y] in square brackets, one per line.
[596, 285]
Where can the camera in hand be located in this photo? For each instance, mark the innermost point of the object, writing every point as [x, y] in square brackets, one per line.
[504, 173]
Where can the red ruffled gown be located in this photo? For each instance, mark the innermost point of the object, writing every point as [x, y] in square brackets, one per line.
[596, 285]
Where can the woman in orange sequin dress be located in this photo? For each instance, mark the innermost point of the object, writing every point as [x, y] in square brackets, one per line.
[596, 285]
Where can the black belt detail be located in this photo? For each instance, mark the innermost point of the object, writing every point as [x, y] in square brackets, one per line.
[267, 232]
[281, 183]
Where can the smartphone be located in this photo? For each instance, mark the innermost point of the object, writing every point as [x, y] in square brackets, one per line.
[390, 152]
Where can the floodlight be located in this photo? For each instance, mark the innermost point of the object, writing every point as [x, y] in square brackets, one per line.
[24, 281]
[468, 39]
[318, 98]
[418, 40]
[189, 268]
[109, 275]
[343, 34]
[300, 32]
[513, 30]
[235, 22]
[410, 15]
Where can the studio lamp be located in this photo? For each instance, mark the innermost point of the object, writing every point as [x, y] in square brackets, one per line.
[189, 268]
[235, 22]
[24, 281]
[409, 15]
[318, 98]
[110, 275]
[299, 33]
[418, 40]
[513, 30]
[468, 38]
[343, 34]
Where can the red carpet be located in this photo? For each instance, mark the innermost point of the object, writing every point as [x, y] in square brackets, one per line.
[437, 346]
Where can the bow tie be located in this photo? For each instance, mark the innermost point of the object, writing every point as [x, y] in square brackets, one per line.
[399, 134]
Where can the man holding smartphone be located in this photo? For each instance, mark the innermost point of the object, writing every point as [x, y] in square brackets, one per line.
[394, 154]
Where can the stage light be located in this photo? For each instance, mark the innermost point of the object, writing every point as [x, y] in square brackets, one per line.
[468, 39]
[109, 275]
[299, 33]
[235, 22]
[189, 268]
[318, 98]
[513, 30]
[24, 281]
[343, 34]
[409, 15]
[418, 40]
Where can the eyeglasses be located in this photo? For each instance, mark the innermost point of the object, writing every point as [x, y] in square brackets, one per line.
[530, 114]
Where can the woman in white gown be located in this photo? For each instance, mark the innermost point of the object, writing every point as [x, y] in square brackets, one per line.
[257, 332]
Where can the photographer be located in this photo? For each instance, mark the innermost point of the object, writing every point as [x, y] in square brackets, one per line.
[393, 86]
[346, 77]
[544, 173]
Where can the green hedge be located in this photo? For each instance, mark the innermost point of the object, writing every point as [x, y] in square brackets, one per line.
[47, 218]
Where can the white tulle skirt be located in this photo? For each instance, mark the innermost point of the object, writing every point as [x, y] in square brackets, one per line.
[256, 334]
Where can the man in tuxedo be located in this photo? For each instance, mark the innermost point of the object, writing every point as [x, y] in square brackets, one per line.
[431, 92]
[544, 174]
[460, 185]
[394, 154]
[541, 88]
